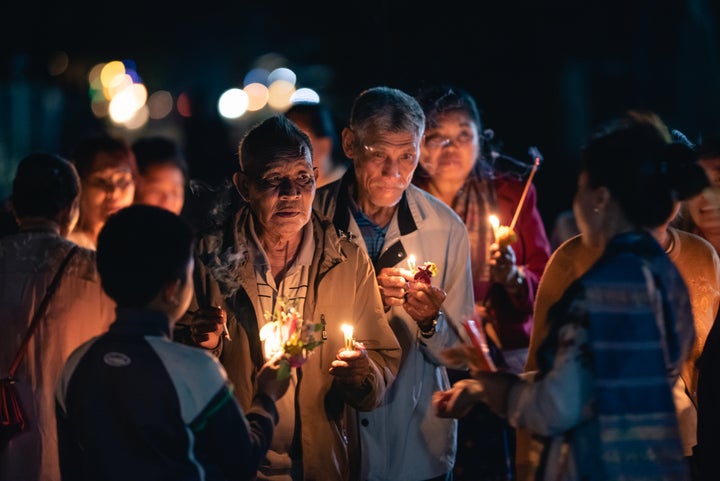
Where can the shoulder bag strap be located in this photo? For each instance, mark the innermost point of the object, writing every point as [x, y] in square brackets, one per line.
[40, 312]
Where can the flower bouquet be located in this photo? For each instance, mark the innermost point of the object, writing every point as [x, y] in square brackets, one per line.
[287, 333]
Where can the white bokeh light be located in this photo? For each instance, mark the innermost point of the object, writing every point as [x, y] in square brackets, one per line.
[233, 103]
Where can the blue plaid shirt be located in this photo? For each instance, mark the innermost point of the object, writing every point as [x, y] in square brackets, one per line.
[373, 234]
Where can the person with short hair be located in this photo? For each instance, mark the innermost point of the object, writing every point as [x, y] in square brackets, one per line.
[134, 404]
[45, 202]
[379, 209]
[162, 173]
[277, 253]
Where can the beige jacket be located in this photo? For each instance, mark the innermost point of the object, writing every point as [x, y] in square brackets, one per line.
[342, 289]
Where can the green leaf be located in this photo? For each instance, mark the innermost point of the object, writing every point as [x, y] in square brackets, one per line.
[283, 370]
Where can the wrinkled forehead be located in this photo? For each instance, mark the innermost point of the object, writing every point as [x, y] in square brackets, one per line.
[402, 139]
[280, 162]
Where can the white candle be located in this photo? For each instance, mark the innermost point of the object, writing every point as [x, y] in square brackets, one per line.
[495, 223]
[411, 263]
[347, 330]
[271, 337]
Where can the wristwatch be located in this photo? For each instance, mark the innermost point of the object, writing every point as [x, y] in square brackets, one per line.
[427, 334]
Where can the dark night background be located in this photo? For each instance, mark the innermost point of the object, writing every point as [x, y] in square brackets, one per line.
[544, 73]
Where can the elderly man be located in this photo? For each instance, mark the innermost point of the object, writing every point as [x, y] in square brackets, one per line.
[375, 205]
[275, 256]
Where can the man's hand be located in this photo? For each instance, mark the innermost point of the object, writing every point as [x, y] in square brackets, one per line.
[351, 367]
[393, 283]
[423, 302]
[267, 379]
[207, 325]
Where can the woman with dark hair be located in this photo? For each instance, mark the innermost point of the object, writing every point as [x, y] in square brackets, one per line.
[108, 172]
[699, 265]
[602, 399]
[455, 167]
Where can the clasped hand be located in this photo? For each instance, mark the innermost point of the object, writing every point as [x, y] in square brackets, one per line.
[421, 301]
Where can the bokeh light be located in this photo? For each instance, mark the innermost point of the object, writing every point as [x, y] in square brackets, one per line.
[282, 73]
[257, 96]
[256, 75]
[280, 92]
[305, 95]
[160, 104]
[233, 103]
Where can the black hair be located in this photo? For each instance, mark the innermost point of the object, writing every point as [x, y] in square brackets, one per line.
[85, 153]
[158, 150]
[319, 119]
[44, 185]
[644, 173]
[435, 100]
[316, 116]
[276, 137]
[140, 249]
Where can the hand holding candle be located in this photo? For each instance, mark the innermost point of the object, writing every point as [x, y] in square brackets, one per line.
[424, 272]
[347, 330]
[504, 235]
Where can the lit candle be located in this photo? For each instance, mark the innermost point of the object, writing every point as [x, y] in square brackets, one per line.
[347, 330]
[495, 223]
[271, 337]
[411, 263]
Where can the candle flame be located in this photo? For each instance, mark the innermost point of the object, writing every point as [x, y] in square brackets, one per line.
[494, 221]
[347, 330]
[411, 262]
[271, 336]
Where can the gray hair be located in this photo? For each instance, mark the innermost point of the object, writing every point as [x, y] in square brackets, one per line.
[388, 109]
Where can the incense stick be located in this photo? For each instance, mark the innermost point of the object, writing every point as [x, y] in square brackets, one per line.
[525, 191]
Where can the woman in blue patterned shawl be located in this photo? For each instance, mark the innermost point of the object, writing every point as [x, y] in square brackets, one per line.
[602, 398]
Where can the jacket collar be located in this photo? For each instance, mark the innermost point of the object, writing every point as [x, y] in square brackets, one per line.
[341, 217]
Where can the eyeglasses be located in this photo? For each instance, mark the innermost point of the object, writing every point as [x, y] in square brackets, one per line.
[379, 155]
[434, 142]
[110, 185]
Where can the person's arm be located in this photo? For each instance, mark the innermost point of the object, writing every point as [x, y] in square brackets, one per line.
[559, 400]
[234, 442]
[456, 281]
[202, 326]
